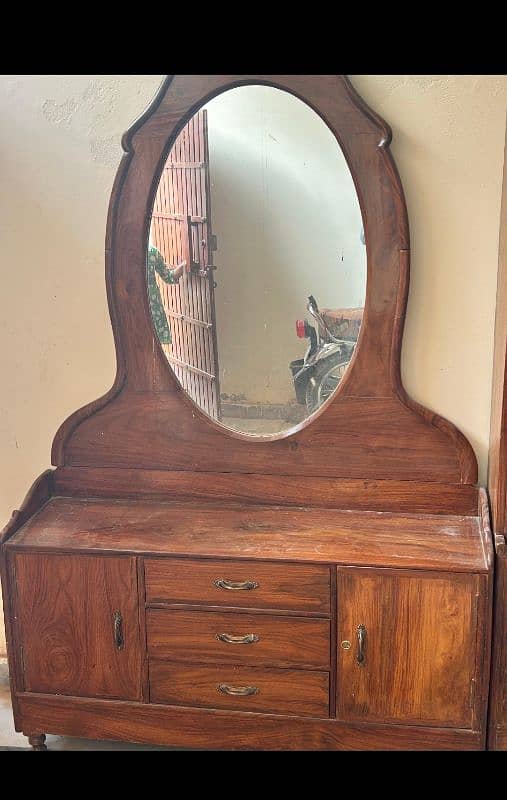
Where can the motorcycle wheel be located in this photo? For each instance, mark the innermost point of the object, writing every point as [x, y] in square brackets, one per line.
[323, 382]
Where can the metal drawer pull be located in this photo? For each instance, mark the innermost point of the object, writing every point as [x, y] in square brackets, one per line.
[361, 643]
[223, 583]
[250, 638]
[118, 630]
[237, 691]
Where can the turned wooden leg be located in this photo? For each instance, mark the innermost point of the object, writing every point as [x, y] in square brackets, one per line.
[37, 742]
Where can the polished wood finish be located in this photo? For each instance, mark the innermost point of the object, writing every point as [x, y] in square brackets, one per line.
[142, 629]
[182, 635]
[500, 740]
[497, 724]
[334, 633]
[279, 691]
[38, 494]
[368, 514]
[287, 587]
[448, 543]
[283, 490]
[371, 429]
[485, 622]
[369, 438]
[231, 730]
[12, 643]
[420, 651]
[64, 608]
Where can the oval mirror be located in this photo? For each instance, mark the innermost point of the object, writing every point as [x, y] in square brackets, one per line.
[256, 262]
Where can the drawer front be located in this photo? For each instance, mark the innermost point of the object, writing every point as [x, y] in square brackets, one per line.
[275, 691]
[240, 584]
[236, 638]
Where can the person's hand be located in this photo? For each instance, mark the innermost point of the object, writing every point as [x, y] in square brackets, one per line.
[178, 272]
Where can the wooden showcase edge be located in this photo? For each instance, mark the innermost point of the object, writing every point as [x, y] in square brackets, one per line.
[440, 568]
[484, 664]
[497, 710]
[483, 514]
[256, 533]
[191, 727]
[38, 494]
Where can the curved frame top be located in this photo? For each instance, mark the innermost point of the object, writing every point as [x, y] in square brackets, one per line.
[370, 429]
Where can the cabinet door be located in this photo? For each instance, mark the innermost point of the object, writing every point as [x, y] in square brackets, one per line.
[418, 646]
[78, 625]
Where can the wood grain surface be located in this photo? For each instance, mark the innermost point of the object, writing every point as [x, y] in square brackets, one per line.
[283, 490]
[230, 730]
[279, 691]
[282, 641]
[420, 651]
[375, 484]
[365, 437]
[257, 532]
[284, 586]
[64, 606]
[497, 728]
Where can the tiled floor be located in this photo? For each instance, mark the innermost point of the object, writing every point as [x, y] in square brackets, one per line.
[10, 739]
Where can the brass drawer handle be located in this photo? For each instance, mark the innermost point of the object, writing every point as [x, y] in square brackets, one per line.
[118, 630]
[361, 644]
[237, 691]
[223, 583]
[250, 638]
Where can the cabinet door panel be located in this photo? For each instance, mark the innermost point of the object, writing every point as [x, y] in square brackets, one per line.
[65, 609]
[419, 646]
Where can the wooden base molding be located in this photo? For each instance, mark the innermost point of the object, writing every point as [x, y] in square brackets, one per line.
[203, 728]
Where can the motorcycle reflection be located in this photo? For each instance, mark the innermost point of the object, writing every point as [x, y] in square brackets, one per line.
[332, 344]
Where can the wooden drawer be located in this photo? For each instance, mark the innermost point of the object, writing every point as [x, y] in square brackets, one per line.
[272, 641]
[275, 691]
[291, 587]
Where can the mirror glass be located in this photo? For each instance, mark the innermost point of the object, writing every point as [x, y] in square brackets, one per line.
[256, 263]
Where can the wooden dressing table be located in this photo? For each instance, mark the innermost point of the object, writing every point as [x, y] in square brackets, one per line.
[175, 582]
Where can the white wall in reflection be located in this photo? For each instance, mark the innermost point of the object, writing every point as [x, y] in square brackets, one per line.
[288, 224]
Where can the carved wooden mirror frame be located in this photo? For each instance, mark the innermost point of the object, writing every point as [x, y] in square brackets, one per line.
[371, 430]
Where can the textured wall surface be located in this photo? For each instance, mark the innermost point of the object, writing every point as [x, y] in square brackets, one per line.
[59, 150]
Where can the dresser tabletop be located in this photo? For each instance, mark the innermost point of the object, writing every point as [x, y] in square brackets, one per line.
[314, 535]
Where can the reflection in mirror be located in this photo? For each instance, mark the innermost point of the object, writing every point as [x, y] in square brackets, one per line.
[257, 260]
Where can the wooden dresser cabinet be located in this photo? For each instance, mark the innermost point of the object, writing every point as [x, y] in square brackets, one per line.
[171, 582]
[334, 626]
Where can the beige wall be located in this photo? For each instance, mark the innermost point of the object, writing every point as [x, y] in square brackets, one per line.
[288, 224]
[59, 150]
[448, 139]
